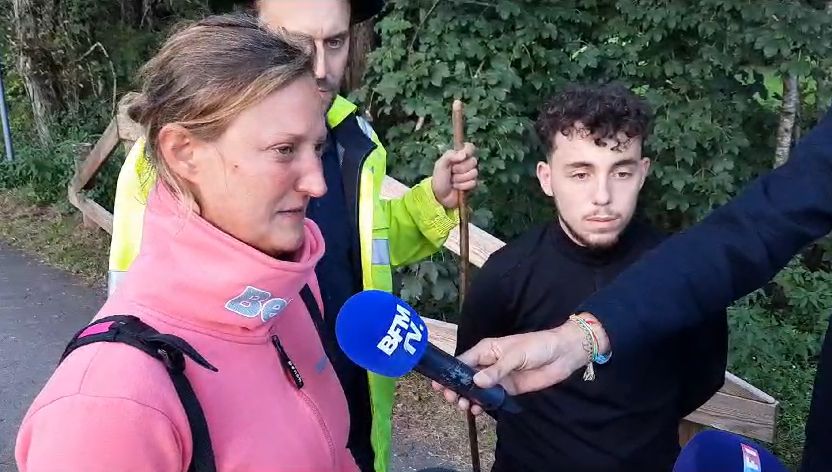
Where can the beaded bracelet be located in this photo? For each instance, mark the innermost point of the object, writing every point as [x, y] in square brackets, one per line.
[599, 358]
[590, 346]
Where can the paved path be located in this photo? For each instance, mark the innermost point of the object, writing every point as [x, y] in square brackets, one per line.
[40, 309]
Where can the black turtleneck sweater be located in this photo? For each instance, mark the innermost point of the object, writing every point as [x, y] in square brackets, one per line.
[626, 420]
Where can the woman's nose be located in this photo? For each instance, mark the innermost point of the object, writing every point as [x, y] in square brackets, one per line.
[311, 180]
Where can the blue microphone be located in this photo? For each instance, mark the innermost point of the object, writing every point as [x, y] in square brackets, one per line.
[385, 335]
[719, 451]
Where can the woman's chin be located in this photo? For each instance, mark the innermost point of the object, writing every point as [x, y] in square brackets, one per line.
[286, 247]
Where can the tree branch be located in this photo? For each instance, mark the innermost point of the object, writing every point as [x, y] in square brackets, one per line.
[788, 112]
[92, 48]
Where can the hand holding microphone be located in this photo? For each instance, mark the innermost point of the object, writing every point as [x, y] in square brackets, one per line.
[524, 363]
[385, 335]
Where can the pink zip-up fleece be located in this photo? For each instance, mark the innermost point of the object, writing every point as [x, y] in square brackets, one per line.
[110, 407]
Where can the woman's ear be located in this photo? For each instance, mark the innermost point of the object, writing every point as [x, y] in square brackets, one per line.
[176, 146]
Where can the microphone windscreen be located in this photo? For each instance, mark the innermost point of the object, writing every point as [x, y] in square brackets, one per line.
[381, 333]
[720, 451]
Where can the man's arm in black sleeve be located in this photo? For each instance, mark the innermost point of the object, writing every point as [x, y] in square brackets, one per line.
[733, 251]
[485, 312]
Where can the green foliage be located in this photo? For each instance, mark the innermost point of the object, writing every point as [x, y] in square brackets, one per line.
[93, 50]
[775, 342]
[433, 283]
[100, 53]
[44, 172]
[700, 66]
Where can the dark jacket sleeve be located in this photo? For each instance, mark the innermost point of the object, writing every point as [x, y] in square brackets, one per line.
[704, 355]
[696, 274]
[486, 312]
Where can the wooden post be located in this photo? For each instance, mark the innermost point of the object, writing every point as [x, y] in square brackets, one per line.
[687, 430]
[458, 119]
[88, 162]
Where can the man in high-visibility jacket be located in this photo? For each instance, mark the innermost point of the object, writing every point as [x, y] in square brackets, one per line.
[365, 236]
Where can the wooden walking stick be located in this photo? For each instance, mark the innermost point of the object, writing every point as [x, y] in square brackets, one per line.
[458, 118]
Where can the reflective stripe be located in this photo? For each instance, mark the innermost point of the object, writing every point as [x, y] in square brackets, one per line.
[365, 225]
[113, 279]
[341, 152]
[365, 126]
[381, 252]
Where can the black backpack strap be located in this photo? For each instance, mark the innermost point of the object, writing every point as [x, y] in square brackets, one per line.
[171, 351]
[202, 459]
[312, 307]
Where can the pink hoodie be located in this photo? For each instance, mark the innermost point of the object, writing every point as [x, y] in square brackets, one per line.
[110, 407]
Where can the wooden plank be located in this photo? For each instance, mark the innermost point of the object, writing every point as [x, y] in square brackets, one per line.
[687, 430]
[128, 129]
[740, 388]
[482, 243]
[392, 188]
[441, 334]
[481, 247]
[87, 222]
[738, 415]
[91, 210]
[97, 213]
[90, 165]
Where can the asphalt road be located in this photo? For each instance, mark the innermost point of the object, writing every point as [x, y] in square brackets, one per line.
[40, 309]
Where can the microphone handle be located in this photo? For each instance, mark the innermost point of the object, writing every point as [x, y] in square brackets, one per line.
[454, 374]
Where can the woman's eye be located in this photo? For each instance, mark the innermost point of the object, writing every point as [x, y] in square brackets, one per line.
[284, 151]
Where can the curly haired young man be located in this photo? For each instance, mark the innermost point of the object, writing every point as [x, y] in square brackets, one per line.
[627, 419]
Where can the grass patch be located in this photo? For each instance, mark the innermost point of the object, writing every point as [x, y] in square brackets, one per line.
[422, 417]
[55, 235]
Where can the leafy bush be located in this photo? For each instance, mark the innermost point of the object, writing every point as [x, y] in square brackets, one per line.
[45, 172]
[701, 67]
[775, 343]
[102, 52]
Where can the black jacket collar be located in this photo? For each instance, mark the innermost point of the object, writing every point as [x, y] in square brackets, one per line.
[627, 241]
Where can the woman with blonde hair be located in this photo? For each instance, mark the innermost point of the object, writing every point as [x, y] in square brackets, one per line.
[206, 358]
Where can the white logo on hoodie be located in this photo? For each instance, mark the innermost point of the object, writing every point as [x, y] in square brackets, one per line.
[254, 302]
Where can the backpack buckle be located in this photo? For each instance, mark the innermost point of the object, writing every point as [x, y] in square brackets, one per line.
[174, 361]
